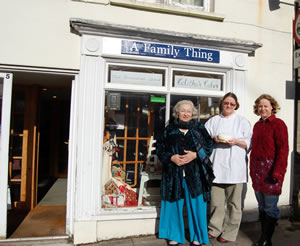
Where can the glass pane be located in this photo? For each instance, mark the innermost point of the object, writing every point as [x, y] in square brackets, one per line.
[130, 174]
[132, 121]
[132, 124]
[143, 121]
[120, 150]
[198, 81]
[136, 76]
[206, 106]
[143, 150]
[198, 3]
[131, 150]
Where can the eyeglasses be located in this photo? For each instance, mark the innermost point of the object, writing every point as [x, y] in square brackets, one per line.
[229, 103]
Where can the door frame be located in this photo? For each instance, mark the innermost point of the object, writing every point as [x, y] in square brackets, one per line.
[70, 209]
[4, 150]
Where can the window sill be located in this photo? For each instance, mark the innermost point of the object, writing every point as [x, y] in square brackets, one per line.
[168, 9]
[128, 213]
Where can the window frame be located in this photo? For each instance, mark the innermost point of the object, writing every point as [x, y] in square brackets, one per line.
[205, 12]
[168, 90]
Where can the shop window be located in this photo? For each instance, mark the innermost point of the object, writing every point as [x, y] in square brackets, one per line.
[132, 122]
[136, 76]
[198, 81]
[200, 4]
[206, 106]
[179, 3]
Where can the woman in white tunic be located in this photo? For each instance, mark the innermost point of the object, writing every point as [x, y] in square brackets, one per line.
[232, 134]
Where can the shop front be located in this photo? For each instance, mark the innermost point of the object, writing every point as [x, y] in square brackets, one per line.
[129, 81]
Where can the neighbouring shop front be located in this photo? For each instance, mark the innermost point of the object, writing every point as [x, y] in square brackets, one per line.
[129, 81]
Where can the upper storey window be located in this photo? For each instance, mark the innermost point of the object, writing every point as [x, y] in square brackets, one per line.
[202, 4]
[194, 8]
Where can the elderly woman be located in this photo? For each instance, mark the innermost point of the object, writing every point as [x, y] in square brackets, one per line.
[184, 149]
[268, 163]
[232, 132]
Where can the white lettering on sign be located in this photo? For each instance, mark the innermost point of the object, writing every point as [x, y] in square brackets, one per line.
[169, 51]
[136, 78]
[191, 52]
[197, 83]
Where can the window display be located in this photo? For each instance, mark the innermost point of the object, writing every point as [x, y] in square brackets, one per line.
[131, 171]
[131, 121]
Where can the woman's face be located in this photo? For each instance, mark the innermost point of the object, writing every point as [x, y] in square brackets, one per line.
[264, 108]
[228, 106]
[185, 113]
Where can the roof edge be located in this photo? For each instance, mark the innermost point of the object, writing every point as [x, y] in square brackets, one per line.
[99, 28]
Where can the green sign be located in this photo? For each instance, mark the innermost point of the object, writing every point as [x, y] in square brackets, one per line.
[158, 99]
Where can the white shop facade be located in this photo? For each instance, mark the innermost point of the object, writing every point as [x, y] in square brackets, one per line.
[129, 80]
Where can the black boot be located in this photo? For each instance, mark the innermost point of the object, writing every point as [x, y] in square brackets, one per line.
[262, 216]
[269, 224]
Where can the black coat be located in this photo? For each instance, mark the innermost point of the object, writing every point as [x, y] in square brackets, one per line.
[198, 173]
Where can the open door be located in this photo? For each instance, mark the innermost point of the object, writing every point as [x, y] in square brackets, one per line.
[5, 106]
[38, 155]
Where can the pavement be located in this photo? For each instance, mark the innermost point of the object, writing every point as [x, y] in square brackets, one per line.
[287, 233]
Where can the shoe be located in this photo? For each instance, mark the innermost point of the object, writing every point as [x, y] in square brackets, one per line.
[222, 240]
[210, 236]
[173, 244]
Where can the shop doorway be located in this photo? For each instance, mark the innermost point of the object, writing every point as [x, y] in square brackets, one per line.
[38, 158]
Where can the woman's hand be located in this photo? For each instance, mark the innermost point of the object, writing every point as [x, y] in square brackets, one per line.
[241, 143]
[233, 141]
[181, 160]
[190, 156]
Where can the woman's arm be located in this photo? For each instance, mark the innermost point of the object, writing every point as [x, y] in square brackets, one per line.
[161, 148]
[245, 141]
[281, 149]
[209, 142]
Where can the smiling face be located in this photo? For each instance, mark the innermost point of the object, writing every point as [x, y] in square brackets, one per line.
[228, 106]
[185, 113]
[264, 108]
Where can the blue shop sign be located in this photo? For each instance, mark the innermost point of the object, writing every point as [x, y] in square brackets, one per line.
[169, 51]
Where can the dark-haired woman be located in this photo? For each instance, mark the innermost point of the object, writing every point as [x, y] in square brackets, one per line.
[268, 163]
[232, 132]
[184, 149]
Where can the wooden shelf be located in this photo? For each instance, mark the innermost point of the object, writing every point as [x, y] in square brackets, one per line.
[15, 180]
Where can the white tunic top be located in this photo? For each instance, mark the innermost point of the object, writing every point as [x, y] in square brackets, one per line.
[230, 162]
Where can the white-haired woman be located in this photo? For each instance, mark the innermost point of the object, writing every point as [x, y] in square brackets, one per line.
[184, 148]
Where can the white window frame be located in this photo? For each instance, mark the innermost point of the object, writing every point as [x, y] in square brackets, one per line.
[199, 92]
[165, 6]
[136, 88]
[4, 149]
[103, 214]
[206, 3]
